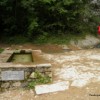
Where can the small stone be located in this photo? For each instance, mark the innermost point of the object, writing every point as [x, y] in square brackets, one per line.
[5, 85]
[24, 84]
[42, 74]
[65, 47]
[31, 91]
[48, 74]
[40, 69]
[33, 75]
[29, 80]
[43, 69]
[44, 65]
[27, 74]
[7, 48]
[16, 84]
[20, 46]
[47, 69]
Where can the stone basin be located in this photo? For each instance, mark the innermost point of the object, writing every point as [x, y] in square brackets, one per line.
[23, 62]
[21, 57]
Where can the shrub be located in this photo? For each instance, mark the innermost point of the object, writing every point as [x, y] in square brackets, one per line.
[40, 80]
[1, 50]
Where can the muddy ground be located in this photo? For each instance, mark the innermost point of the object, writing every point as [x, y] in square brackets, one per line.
[80, 67]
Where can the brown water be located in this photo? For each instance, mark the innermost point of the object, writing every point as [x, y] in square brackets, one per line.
[74, 93]
[21, 58]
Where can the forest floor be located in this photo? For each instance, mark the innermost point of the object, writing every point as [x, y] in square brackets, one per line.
[79, 67]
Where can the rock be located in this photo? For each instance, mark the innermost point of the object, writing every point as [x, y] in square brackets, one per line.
[88, 41]
[97, 46]
[47, 69]
[48, 74]
[24, 84]
[74, 47]
[65, 47]
[59, 86]
[39, 69]
[5, 85]
[20, 46]
[33, 75]
[8, 48]
[44, 65]
[27, 74]
[29, 80]
[43, 69]
[16, 84]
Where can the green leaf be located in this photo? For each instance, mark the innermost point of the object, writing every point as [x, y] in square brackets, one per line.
[68, 2]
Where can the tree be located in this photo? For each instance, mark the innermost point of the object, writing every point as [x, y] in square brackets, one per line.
[45, 17]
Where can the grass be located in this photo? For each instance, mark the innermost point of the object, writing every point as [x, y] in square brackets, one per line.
[15, 40]
[44, 39]
[60, 39]
[39, 80]
[1, 50]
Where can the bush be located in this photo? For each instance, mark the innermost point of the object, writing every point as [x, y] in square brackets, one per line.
[58, 39]
[1, 50]
[40, 80]
[33, 18]
[15, 40]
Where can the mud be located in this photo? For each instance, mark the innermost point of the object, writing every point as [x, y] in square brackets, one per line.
[80, 67]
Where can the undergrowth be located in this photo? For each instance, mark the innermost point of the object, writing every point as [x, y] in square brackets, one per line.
[43, 39]
[40, 79]
[59, 39]
[15, 40]
[1, 50]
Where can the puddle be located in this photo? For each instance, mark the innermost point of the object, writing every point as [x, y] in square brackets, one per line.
[21, 57]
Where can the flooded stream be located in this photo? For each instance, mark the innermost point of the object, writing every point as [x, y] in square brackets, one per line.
[81, 68]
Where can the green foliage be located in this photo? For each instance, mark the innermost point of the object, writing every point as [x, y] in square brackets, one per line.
[33, 18]
[68, 2]
[33, 25]
[15, 40]
[1, 50]
[40, 80]
[58, 39]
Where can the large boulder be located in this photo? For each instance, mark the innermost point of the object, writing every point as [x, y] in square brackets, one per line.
[88, 41]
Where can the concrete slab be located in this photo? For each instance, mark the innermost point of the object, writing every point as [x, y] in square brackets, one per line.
[12, 75]
[59, 86]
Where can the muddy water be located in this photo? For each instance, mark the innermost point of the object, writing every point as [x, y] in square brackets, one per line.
[22, 58]
[81, 64]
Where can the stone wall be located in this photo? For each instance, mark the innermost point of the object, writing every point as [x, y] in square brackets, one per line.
[14, 75]
[28, 76]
